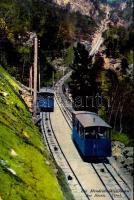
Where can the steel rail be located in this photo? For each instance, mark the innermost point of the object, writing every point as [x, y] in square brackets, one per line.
[54, 143]
[69, 123]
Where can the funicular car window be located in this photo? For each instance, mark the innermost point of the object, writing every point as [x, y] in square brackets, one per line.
[90, 133]
[103, 132]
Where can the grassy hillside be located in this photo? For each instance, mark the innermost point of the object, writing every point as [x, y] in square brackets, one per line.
[26, 170]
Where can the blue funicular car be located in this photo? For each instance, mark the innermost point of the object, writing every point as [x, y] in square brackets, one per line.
[91, 134]
[45, 100]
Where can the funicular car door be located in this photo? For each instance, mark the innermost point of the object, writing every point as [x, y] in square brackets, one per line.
[95, 148]
[95, 145]
[101, 145]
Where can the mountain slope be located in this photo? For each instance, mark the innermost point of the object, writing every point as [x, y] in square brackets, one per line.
[26, 170]
[83, 6]
[91, 8]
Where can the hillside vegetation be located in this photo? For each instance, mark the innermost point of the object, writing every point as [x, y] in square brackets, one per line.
[55, 27]
[26, 170]
[97, 89]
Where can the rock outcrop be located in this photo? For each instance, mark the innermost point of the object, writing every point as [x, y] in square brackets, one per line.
[85, 7]
[124, 155]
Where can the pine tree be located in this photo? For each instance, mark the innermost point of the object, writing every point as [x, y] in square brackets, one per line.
[83, 76]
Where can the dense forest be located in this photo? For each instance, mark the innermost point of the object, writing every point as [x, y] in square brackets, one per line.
[55, 27]
[119, 43]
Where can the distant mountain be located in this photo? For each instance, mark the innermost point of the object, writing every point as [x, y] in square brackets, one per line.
[85, 7]
[123, 12]
[117, 1]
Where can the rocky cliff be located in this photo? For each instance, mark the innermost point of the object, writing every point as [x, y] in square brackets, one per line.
[85, 7]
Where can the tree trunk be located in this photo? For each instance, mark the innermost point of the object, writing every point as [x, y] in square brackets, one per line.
[116, 115]
[121, 116]
[121, 110]
[113, 103]
[23, 69]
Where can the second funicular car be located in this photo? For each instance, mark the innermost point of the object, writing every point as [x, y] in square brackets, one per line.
[45, 100]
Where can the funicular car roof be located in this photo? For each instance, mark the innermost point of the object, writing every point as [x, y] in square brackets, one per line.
[46, 90]
[90, 119]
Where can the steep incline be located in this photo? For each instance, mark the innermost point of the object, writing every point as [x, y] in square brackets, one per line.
[26, 170]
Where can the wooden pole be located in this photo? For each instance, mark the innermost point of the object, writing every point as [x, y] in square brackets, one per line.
[53, 79]
[39, 82]
[39, 79]
[35, 76]
[31, 79]
[133, 59]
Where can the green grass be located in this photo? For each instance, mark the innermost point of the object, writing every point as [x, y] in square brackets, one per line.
[121, 137]
[35, 178]
[9, 79]
[69, 57]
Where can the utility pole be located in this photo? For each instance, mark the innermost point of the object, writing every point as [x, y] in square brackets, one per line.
[31, 79]
[39, 83]
[35, 76]
[53, 79]
[39, 79]
[133, 57]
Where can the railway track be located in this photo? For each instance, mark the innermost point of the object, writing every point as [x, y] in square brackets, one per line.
[114, 184]
[54, 147]
[64, 105]
[66, 113]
